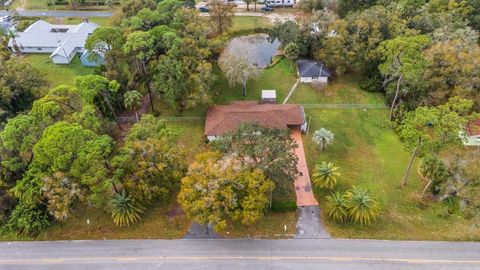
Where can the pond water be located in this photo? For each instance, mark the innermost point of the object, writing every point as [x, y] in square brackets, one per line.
[257, 49]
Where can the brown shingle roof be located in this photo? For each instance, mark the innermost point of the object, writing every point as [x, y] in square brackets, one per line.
[224, 118]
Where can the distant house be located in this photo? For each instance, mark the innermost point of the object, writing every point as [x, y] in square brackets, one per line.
[62, 42]
[312, 71]
[222, 119]
[473, 133]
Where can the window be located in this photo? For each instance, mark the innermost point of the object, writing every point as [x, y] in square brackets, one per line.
[39, 49]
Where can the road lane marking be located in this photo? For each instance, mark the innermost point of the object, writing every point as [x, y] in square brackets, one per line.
[197, 258]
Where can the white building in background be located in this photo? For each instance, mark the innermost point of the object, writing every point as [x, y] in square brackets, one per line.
[312, 71]
[62, 42]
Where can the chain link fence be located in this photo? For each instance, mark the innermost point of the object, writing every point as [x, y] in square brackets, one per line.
[345, 106]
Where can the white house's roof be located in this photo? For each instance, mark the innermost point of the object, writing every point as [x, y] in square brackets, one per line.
[65, 38]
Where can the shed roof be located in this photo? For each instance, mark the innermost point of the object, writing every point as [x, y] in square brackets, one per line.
[473, 128]
[311, 68]
[224, 118]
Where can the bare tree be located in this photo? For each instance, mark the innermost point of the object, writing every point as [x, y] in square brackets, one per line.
[238, 70]
[221, 15]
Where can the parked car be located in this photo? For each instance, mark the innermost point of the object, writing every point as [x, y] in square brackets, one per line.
[203, 9]
[267, 8]
[5, 18]
[280, 3]
[232, 3]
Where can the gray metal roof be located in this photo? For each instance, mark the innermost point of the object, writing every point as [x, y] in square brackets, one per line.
[40, 34]
[311, 68]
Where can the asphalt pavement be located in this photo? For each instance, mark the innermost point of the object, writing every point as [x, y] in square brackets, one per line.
[57, 13]
[239, 254]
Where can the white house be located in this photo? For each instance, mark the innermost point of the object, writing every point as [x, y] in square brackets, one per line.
[473, 134]
[312, 71]
[62, 42]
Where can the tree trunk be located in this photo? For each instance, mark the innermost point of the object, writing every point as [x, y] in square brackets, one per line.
[149, 89]
[394, 101]
[426, 187]
[248, 5]
[255, 7]
[150, 96]
[136, 115]
[244, 86]
[404, 182]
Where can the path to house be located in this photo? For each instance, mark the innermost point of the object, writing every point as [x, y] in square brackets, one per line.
[291, 91]
[309, 224]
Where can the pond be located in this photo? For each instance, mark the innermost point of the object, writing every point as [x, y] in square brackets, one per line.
[257, 49]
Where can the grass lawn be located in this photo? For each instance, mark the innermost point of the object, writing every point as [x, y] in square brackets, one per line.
[370, 154]
[58, 74]
[241, 23]
[102, 21]
[279, 77]
[270, 226]
[339, 90]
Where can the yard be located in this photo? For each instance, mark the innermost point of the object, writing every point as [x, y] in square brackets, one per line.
[242, 23]
[57, 74]
[370, 154]
[366, 149]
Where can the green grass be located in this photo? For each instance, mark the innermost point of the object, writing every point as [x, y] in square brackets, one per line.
[36, 4]
[279, 77]
[270, 226]
[102, 21]
[242, 23]
[370, 154]
[57, 74]
[167, 222]
[339, 90]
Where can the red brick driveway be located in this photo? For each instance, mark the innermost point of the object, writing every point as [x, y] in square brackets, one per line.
[303, 187]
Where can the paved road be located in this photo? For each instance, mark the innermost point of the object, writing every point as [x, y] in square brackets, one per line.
[239, 254]
[58, 13]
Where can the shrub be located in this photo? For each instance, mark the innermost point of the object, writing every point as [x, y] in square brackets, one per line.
[125, 209]
[284, 206]
[325, 175]
[336, 207]
[323, 137]
[362, 206]
[28, 219]
[435, 170]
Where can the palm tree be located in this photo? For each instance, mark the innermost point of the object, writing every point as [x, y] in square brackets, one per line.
[362, 206]
[323, 137]
[325, 175]
[336, 207]
[13, 35]
[125, 209]
[132, 100]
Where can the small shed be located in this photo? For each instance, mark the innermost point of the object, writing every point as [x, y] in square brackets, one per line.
[269, 97]
[312, 71]
[89, 61]
[473, 133]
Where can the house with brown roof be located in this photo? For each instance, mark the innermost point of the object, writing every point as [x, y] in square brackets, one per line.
[222, 119]
[473, 133]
